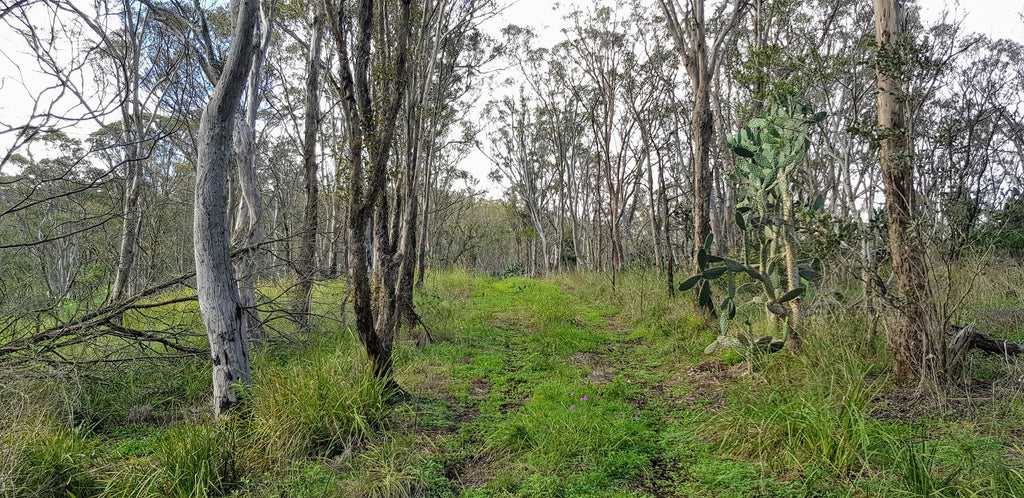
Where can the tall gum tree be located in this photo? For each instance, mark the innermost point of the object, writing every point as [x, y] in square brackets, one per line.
[371, 121]
[918, 343]
[221, 308]
[689, 31]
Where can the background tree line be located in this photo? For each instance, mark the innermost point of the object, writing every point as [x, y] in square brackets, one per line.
[241, 152]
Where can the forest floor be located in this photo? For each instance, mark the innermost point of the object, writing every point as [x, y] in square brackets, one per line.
[553, 387]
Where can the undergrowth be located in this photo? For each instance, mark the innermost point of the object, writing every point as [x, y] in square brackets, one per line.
[562, 386]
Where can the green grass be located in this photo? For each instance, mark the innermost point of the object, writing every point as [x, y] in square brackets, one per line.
[495, 408]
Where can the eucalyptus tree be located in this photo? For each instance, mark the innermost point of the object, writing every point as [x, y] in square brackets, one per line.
[124, 31]
[518, 151]
[450, 52]
[599, 48]
[305, 266]
[246, 224]
[447, 49]
[550, 75]
[362, 40]
[223, 312]
[965, 153]
[918, 342]
[688, 28]
[651, 100]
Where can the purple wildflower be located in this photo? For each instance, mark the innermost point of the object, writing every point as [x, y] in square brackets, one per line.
[571, 407]
[584, 398]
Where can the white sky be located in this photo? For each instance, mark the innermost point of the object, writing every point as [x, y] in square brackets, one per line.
[997, 18]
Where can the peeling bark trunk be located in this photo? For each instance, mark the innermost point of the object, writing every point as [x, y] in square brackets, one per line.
[918, 345]
[248, 229]
[222, 311]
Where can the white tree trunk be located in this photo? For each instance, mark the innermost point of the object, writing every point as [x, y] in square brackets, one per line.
[219, 304]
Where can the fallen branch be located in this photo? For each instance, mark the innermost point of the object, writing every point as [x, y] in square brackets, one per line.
[967, 338]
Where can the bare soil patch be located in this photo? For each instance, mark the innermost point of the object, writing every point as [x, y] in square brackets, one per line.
[479, 389]
[707, 380]
[601, 369]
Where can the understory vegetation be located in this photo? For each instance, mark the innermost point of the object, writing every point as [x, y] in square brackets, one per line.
[560, 386]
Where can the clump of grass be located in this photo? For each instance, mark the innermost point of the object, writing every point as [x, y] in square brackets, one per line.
[41, 454]
[201, 460]
[790, 427]
[190, 461]
[387, 469]
[49, 461]
[316, 406]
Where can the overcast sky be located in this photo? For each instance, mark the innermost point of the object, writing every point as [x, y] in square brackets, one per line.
[997, 18]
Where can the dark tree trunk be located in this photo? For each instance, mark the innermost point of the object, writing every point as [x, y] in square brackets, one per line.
[918, 344]
[306, 264]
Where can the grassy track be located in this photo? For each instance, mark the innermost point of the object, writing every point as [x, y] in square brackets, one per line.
[553, 387]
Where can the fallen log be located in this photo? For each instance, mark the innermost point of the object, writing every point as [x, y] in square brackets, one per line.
[967, 338]
[984, 342]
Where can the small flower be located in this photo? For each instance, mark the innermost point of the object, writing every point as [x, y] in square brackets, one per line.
[573, 393]
[584, 398]
[571, 407]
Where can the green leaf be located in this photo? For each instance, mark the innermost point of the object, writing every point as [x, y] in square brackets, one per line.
[819, 202]
[754, 274]
[817, 117]
[807, 272]
[744, 341]
[732, 309]
[732, 286]
[705, 294]
[723, 324]
[740, 222]
[770, 179]
[742, 151]
[689, 283]
[791, 295]
[733, 265]
[702, 259]
[714, 259]
[713, 273]
[708, 241]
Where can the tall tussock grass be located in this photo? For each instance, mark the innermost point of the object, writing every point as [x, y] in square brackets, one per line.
[318, 406]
